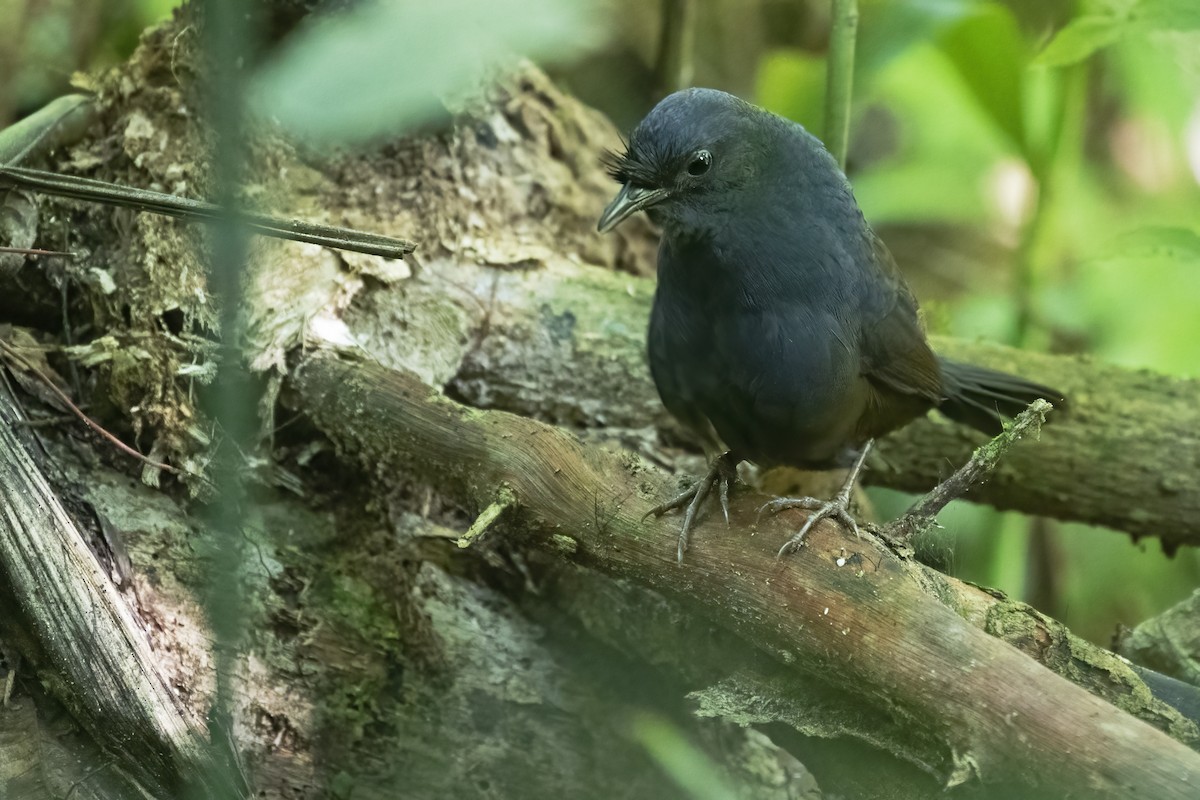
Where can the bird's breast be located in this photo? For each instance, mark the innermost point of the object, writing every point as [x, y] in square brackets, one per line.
[777, 380]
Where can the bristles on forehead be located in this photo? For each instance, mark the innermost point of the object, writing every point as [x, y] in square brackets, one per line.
[615, 161]
[679, 125]
[627, 166]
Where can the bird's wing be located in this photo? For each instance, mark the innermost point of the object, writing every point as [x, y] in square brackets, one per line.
[681, 372]
[895, 353]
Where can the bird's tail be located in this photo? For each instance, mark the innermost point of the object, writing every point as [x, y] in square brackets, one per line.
[982, 397]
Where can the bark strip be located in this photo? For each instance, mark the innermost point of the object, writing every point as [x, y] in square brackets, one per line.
[64, 615]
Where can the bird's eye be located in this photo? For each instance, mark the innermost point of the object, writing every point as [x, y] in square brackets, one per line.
[701, 161]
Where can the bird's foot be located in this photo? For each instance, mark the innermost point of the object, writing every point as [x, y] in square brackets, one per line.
[722, 472]
[837, 508]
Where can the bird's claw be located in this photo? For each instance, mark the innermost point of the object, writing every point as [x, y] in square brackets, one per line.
[678, 501]
[721, 474]
[836, 508]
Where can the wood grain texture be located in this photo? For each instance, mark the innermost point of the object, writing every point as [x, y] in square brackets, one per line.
[87, 649]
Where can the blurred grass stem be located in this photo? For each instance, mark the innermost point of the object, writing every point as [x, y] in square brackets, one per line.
[676, 46]
[839, 82]
[227, 40]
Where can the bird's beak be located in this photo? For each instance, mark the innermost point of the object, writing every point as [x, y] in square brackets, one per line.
[629, 200]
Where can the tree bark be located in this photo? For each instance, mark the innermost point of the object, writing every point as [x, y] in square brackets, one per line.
[1170, 642]
[66, 617]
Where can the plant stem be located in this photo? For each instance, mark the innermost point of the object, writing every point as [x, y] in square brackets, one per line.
[228, 40]
[676, 45]
[839, 81]
[198, 210]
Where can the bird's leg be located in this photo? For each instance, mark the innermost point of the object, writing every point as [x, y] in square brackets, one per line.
[838, 508]
[722, 471]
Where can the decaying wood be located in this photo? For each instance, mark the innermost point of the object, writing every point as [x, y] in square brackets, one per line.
[402, 678]
[866, 624]
[79, 634]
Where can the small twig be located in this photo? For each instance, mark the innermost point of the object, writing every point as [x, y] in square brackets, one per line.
[185, 208]
[921, 516]
[439, 533]
[506, 498]
[33, 251]
[839, 78]
[12, 353]
[10, 680]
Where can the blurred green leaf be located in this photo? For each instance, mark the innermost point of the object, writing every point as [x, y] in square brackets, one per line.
[1089, 33]
[1157, 242]
[792, 83]
[1081, 38]
[1168, 15]
[1157, 76]
[941, 148]
[156, 10]
[386, 65]
[918, 191]
[991, 56]
[889, 29]
[1136, 296]
[690, 768]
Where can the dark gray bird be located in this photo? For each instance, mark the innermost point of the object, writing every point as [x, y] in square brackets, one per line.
[782, 332]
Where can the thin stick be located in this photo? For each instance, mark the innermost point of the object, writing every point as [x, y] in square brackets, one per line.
[839, 78]
[505, 499]
[921, 516]
[27, 365]
[185, 208]
[33, 251]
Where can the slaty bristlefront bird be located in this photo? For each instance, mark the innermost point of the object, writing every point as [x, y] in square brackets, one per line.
[782, 332]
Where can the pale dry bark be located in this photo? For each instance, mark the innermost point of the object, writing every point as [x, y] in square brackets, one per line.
[80, 636]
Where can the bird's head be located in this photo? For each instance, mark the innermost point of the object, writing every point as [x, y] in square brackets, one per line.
[694, 147]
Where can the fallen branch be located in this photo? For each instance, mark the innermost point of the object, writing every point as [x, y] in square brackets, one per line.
[869, 626]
